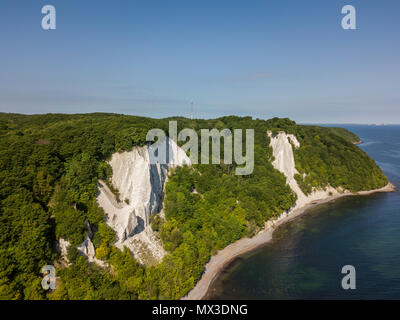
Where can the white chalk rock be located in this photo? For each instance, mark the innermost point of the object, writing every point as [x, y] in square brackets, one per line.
[284, 162]
[62, 248]
[140, 181]
[86, 248]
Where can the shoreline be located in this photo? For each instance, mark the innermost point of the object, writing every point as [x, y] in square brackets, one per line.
[224, 257]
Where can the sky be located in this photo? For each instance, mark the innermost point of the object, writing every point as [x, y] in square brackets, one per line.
[248, 58]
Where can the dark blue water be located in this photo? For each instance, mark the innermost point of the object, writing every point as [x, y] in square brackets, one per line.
[305, 258]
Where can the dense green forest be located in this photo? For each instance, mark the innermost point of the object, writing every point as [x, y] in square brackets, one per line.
[345, 134]
[49, 168]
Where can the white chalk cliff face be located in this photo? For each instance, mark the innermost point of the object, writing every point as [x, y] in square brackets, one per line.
[86, 248]
[284, 162]
[140, 182]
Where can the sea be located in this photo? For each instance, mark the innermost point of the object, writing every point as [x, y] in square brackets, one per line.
[306, 257]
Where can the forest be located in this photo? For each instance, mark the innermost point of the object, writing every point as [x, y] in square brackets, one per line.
[49, 168]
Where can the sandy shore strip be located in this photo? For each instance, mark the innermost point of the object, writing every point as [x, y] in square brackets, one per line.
[232, 251]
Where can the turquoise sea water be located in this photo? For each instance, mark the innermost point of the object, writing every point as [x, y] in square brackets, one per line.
[305, 258]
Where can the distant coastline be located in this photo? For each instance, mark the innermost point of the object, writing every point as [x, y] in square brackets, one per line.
[225, 256]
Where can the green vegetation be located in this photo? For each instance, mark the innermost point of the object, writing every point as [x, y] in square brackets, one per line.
[49, 169]
[345, 134]
[328, 159]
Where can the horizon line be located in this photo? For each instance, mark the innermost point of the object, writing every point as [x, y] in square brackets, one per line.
[177, 116]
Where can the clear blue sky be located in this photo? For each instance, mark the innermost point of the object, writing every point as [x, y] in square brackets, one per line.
[259, 58]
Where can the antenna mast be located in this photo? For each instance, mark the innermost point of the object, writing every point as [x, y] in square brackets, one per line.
[191, 110]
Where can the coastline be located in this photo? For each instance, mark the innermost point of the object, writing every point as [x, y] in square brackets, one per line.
[358, 142]
[244, 245]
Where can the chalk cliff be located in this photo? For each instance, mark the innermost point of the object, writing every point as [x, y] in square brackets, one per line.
[282, 146]
[86, 248]
[140, 181]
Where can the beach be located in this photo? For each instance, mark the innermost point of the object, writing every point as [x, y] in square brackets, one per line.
[225, 256]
